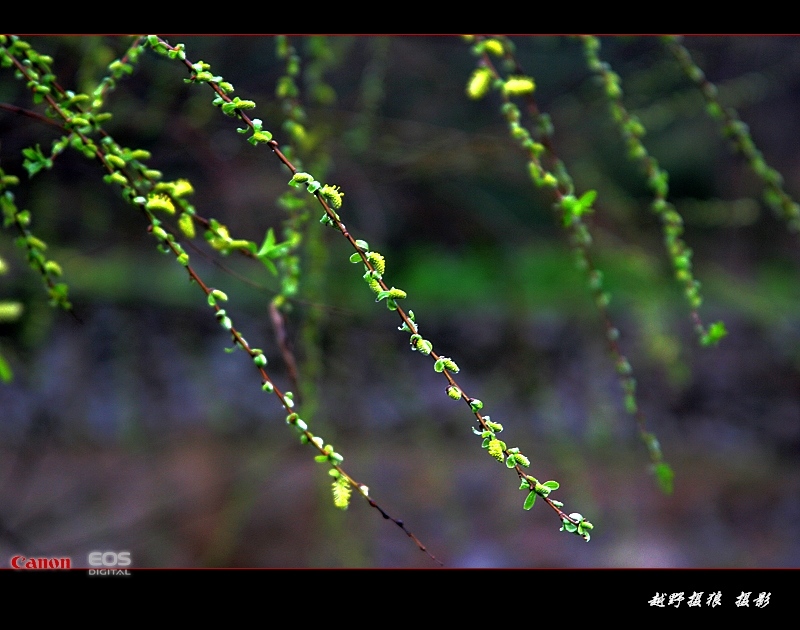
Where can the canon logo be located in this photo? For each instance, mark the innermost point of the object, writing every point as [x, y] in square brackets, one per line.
[21, 562]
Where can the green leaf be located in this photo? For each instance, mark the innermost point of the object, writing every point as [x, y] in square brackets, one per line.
[268, 244]
[586, 201]
[272, 249]
[715, 333]
[529, 501]
[665, 476]
[35, 160]
[5, 371]
[269, 265]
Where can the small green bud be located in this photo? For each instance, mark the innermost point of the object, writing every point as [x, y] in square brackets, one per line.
[260, 137]
[140, 154]
[116, 161]
[10, 311]
[522, 460]
[186, 225]
[377, 261]
[77, 121]
[300, 178]
[392, 294]
[630, 404]
[159, 201]
[494, 426]
[454, 392]
[479, 83]
[446, 363]
[117, 178]
[495, 448]
[518, 86]
[493, 46]
[332, 195]
[242, 103]
[53, 268]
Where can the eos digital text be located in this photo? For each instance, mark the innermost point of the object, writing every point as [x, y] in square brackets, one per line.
[109, 563]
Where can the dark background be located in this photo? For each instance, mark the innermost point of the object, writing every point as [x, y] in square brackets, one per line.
[134, 430]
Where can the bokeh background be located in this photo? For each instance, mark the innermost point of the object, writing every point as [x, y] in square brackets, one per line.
[133, 429]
